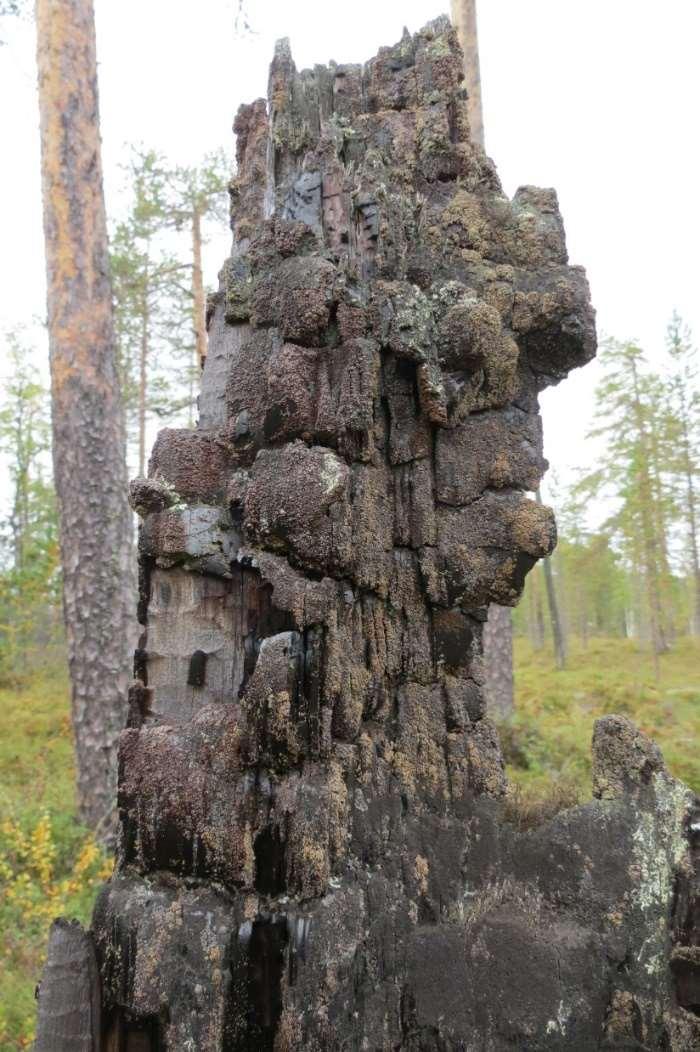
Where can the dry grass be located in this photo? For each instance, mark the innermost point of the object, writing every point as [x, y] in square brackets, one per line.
[525, 898]
[527, 807]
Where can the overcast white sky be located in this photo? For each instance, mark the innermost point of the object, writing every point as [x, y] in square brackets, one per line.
[598, 98]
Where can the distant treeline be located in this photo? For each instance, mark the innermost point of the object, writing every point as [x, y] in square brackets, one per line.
[637, 573]
[156, 259]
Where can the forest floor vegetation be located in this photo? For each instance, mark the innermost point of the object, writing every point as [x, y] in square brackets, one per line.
[547, 741]
[51, 866]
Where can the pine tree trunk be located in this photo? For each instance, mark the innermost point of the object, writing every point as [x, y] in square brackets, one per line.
[650, 539]
[539, 613]
[558, 637]
[464, 21]
[535, 620]
[691, 515]
[143, 372]
[88, 437]
[498, 661]
[661, 530]
[198, 297]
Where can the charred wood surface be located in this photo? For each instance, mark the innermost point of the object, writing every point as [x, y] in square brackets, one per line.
[317, 851]
[68, 996]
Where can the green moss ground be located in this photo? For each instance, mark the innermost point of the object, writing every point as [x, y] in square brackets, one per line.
[550, 734]
[547, 745]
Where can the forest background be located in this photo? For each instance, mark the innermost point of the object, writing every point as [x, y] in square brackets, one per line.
[622, 437]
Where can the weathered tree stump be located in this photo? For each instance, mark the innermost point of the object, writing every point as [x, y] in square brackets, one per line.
[69, 1015]
[316, 850]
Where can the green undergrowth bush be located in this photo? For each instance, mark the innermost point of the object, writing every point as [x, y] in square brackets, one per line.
[49, 865]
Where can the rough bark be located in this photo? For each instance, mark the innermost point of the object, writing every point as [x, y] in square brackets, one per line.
[143, 369]
[464, 21]
[498, 661]
[558, 636]
[88, 438]
[316, 850]
[198, 297]
[68, 1018]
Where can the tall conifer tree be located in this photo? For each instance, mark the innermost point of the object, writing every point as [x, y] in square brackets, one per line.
[88, 433]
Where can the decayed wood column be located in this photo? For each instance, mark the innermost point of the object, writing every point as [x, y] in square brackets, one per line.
[317, 851]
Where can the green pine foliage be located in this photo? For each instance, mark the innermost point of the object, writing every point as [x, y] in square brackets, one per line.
[152, 274]
[628, 590]
[30, 624]
[635, 574]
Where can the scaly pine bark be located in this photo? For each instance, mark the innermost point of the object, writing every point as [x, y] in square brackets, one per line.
[88, 436]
